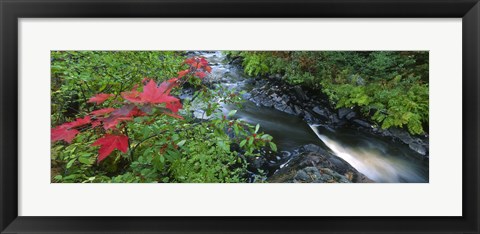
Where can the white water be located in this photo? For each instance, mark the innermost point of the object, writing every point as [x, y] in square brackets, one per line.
[379, 159]
[373, 160]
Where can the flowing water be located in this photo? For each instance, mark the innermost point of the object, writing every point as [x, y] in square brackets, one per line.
[379, 159]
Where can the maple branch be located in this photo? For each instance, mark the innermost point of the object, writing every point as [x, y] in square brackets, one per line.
[150, 137]
[125, 129]
[83, 94]
[89, 89]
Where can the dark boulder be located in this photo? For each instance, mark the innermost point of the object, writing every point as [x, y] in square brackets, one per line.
[267, 103]
[298, 110]
[321, 112]
[362, 123]
[418, 148]
[314, 175]
[309, 117]
[402, 135]
[317, 165]
[285, 98]
[300, 93]
[256, 163]
[351, 115]
[342, 112]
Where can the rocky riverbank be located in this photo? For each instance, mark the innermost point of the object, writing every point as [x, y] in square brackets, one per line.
[313, 164]
[282, 110]
[315, 109]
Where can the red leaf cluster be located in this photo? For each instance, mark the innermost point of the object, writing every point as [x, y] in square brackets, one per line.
[155, 94]
[67, 130]
[197, 64]
[139, 103]
[99, 98]
[102, 112]
[109, 143]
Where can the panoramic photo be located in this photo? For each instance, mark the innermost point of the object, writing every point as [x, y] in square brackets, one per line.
[239, 117]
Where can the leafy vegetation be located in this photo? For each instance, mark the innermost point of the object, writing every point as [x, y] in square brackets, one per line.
[111, 124]
[389, 87]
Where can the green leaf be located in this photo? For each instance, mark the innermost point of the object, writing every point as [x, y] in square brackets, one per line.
[182, 142]
[232, 113]
[84, 160]
[70, 163]
[242, 143]
[273, 146]
[250, 141]
[235, 128]
[223, 145]
[257, 127]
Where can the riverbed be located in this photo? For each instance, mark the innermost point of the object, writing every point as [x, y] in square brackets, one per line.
[379, 158]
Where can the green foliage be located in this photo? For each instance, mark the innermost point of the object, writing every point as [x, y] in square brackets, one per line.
[389, 87]
[78, 75]
[161, 149]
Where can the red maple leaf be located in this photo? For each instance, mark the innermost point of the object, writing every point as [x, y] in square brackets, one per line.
[77, 123]
[96, 123]
[132, 96]
[66, 131]
[208, 69]
[100, 98]
[102, 112]
[109, 143]
[183, 73]
[174, 81]
[200, 74]
[136, 112]
[112, 121]
[63, 133]
[197, 62]
[120, 114]
[157, 94]
[174, 106]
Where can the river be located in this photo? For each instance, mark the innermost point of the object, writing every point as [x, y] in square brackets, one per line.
[380, 159]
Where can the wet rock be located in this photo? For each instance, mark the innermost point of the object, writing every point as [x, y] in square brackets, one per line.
[274, 97]
[362, 123]
[402, 135]
[289, 110]
[301, 176]
[336, 121]
[314, 175]
[298, 110]
[418, 148]
[285, 98]
[285, 154]
[284, 108]
[267, 103]
[300, 93]
[246, 96]
[317, 165]
[312, 148]
[351, 115]
[342, 112]
[309, 117]
[256, 163]
[323, 113]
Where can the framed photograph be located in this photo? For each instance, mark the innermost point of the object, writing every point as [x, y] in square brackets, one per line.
[239, 116]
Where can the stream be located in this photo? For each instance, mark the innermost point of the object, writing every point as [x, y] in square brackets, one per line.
[380, 159]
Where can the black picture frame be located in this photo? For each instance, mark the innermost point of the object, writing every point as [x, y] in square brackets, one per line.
[11, 11]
